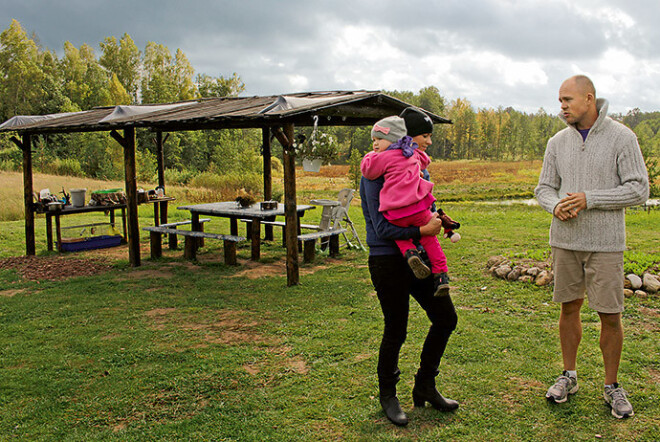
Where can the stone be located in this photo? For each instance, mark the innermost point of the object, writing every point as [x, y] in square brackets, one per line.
[626, 283]
[514, 274]
[543, 278]
[650, 283]
[502, 271]
[526, 278]
[635, 281]
[533, 271]
[494, 261]
[640, 293]
[628, 293]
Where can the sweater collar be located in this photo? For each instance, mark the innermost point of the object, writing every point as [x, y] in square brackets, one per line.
[602, 106]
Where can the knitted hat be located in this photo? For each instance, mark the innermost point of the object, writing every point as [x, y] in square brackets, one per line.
[417, 122]
[390, 128]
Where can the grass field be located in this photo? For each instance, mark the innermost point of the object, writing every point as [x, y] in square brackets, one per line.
[200, 351]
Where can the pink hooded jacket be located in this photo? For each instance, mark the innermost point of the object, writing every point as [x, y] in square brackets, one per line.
[405, 192]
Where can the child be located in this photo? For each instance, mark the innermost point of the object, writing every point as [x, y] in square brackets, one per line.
[406, 197]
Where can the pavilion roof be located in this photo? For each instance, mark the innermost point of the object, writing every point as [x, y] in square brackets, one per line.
[330, 108]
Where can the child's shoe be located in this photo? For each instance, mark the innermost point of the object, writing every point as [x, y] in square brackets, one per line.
[441, 284]
[416, 264]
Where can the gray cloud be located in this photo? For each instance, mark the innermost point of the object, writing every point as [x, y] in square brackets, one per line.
[492, 52]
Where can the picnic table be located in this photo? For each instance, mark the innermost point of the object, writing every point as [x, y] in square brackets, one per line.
[110, 209]
[233, 211]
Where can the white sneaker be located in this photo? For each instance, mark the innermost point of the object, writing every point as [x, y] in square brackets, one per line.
[564, 386]
[617, 400]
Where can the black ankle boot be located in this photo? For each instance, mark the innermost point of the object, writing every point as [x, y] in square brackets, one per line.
[391, 407]
[425, 391]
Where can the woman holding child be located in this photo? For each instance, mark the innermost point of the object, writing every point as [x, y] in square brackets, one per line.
[398, 159]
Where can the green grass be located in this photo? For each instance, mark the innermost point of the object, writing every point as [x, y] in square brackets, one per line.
[173, 351]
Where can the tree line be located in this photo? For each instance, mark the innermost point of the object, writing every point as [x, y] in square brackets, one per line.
[35, 81]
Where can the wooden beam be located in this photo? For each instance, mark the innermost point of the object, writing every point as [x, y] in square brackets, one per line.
[268, 175]
[160, 158]
[281, 137]
[290, 213]
[268, 167]
[130, 178]
[28, 192]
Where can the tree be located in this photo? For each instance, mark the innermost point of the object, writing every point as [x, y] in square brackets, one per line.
[85, 81]
[123, 59]
[208, 86]
[20, 72]
[116, 92]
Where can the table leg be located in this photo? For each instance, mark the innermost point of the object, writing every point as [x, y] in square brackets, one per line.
[233, 226]
[58, 232]
[256, 239]
[194, 225]
[163, 212]
[156, 215]
[123, 221]
[49, 231]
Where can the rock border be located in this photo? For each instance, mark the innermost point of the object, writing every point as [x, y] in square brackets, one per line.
[540, 273]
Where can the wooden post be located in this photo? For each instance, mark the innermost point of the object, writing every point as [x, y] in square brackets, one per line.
[268, 176]
[290, 213]
[160, 158]
[130, 179]
[26, 146]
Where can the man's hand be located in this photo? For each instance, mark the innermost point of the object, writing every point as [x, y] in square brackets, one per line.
[433, 227]
[569, 207]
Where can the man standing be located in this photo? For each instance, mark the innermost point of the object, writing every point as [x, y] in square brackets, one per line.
[592, 170]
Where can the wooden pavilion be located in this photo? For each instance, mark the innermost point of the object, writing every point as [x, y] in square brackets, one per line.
[276, 115]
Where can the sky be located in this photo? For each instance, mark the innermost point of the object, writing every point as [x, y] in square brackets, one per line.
[509, 53]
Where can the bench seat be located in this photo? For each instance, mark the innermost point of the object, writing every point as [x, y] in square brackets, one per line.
[192, 237]
[309, 242]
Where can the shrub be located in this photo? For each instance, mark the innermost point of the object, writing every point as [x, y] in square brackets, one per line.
[228, 184]
[66, 167]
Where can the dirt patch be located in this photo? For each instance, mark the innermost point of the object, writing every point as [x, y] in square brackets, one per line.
[11, 293]
[228, 327]
[254, 269]
[150, 273]
[38, 268]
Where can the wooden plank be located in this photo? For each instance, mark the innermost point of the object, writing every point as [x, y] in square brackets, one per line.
[321, 234]
[193, 233]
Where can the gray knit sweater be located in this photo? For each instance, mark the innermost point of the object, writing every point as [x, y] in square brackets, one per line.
[608, 167]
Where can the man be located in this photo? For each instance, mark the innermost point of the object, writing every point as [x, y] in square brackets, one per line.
[592, 170]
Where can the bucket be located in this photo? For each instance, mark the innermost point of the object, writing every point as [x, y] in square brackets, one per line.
[78, 197]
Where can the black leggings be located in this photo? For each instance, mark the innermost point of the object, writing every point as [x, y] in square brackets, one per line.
[394, 282]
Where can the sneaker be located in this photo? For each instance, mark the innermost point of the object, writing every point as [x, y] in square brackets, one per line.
[564, 386]
[616, 398]
[441, 284]
[416, 264]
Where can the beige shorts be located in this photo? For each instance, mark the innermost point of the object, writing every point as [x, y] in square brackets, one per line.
[599, 274]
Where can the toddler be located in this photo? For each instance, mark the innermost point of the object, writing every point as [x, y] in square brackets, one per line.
[406, 197]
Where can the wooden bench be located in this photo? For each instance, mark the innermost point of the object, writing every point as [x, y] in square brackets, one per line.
[282, 224]
[172, 241]
[309, 241]
[192, 236]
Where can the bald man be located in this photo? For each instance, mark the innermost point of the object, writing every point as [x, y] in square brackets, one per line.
[593, 169]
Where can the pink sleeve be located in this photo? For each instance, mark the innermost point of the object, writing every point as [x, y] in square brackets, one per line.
[424, 159]
[373, 165]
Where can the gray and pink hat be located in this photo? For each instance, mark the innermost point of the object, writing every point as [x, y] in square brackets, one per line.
[390, 128]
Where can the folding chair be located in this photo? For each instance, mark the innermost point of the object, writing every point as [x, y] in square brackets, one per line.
[335, 216]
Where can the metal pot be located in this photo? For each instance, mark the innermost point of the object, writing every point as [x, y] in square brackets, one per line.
[55, 206]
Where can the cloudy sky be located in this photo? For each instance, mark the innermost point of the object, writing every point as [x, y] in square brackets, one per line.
[491, 52]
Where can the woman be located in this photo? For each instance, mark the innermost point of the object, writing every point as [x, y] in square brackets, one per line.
[394, 288]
